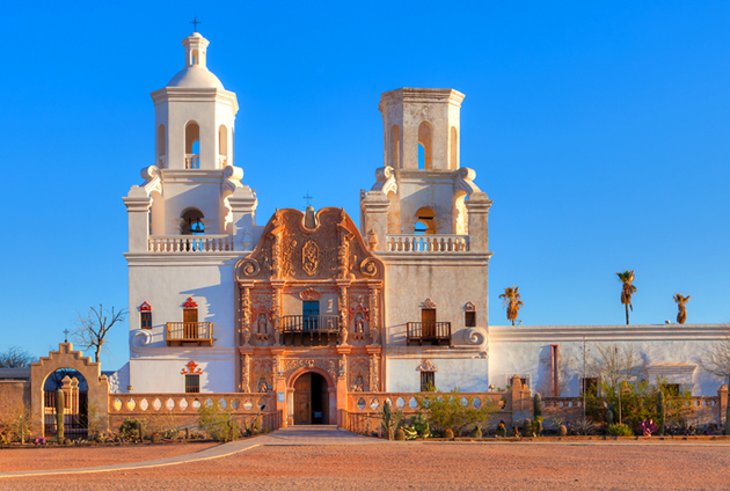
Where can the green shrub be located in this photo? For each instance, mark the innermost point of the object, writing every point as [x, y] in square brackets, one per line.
[131, 430]
[620, 429]
[449, 411]
[218, 423]
[449, 434]
[477, 432]
[400, 435]
[420, 424]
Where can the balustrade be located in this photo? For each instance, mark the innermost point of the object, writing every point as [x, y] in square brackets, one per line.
[427, 243]
[190, 244]
[192, 161]
[200, 333]
[428, 332]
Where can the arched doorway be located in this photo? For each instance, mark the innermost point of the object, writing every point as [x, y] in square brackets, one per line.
[311, 399]
[75, 403]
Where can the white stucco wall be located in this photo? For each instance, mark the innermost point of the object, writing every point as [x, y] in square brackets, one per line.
[525, 350]
[455, 371]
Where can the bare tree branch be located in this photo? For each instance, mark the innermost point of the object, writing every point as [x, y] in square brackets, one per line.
[15, 357]
[91, 331]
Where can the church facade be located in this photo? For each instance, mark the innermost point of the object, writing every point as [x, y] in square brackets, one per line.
[314, 308]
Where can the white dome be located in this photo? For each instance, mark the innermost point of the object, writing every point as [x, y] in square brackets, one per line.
[195, 77]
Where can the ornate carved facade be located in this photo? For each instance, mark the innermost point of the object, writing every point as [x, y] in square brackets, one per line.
[310, 296]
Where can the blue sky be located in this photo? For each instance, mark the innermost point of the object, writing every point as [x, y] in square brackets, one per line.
[600, 130]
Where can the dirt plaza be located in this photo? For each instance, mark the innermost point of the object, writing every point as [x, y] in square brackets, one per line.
[339, 460]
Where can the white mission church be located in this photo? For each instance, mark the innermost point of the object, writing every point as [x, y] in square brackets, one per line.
[313, 307]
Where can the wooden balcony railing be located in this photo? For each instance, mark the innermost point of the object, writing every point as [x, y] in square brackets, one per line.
[438, 333]
[200, 333]
[309, 329]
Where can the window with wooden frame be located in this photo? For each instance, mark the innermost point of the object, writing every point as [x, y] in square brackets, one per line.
[145, 316]
[192, 383]
[428, 381]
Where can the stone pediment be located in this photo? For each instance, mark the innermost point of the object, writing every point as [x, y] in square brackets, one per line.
[310, 246]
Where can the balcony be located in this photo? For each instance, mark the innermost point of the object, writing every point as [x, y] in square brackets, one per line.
[180, 333]
[192, 161]
[190, 244]
[434, 333]
[309, 330]
[442, 244]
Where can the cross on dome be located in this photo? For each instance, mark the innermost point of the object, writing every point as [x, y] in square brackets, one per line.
[195, 23]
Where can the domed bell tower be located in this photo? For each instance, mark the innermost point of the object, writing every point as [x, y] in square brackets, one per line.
[422, 188]
[194, 115]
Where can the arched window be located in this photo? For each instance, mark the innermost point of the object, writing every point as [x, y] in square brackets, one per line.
[192, 222]
[425, 146]
[425, 221]
[161, 150]
[222, 145]
[192, 146]
[395, 146]
[454, 154]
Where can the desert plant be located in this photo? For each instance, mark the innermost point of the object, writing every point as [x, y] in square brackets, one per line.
[390, 420]
[584, 426]
[420, 424]
[527, 429]
[620, 429]
[627, 291]
[562, 430]
[512, 302]
[449, 434]
[661, 412]
[681, 307]
[400, 435]
[60, 408]
[220, 424]
[537, 404]
[131, 430]
[501, 429]
[477, 433]
[452, 411]
[537, 425]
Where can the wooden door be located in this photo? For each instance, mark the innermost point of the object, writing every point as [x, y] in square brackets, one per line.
[428, 321]
[190, 323]
[303, 400]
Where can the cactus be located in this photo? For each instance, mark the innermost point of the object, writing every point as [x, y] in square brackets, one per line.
[661, 412]
[477, 432]
[449, 434]
[400, 435]
[527, 427]
[60, 407]
[537, 426]
[537, 405]
[609, 416]
[563, 430]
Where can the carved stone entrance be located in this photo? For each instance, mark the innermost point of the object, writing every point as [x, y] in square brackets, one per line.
[311, 399]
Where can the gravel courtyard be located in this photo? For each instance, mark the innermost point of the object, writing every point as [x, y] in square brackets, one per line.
[416, 465]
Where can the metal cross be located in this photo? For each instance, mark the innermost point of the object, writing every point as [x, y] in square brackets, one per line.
[308, 198]
[65, 337]
[195, 23]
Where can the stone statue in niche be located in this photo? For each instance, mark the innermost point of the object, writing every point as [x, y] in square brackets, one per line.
[359, 385]
[261, 326]
[359, 325]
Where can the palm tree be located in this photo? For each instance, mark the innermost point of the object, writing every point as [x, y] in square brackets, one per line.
[682, 306]
[511, 299]
[627, 290]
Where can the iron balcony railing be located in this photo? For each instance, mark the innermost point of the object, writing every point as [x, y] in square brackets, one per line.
[200, 333]
[438, 333]
[309, 329]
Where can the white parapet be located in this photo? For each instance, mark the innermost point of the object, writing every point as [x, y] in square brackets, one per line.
[427, 243]
[190, 244]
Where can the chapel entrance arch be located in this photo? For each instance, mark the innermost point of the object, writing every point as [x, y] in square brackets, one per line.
[312, 400]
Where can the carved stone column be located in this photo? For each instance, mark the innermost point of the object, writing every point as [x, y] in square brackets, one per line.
[245, 298]
[245, 372]
[376, 332]
[277, 287]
